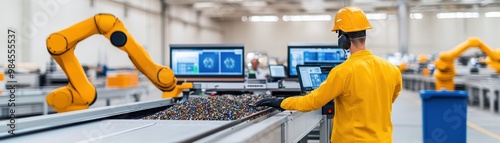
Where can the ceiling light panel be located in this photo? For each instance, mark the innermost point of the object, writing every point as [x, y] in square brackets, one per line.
[492, 14]
[307, 18]
[416, 16]
[254, 3]
[376, 16]
[204, 5]
[267, 18]
[451, 15]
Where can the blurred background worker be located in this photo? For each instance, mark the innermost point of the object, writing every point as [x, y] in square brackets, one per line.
[363, 87]
[256, 71]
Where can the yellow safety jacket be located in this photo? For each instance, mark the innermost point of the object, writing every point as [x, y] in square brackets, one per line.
[364, 88]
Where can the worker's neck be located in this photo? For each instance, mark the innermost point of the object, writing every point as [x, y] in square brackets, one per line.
[356, 48]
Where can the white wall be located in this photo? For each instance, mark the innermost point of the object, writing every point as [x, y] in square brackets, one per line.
[428, 35]
[11, 9]
[35, 20]
[194, 27]
[432, 35]
[272, 37]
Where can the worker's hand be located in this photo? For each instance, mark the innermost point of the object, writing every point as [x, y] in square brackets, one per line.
[271, 102]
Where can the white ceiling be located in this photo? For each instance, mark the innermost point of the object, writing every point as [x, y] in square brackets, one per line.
[238, 8]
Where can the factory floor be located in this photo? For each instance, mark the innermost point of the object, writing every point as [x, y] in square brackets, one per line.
[482, 126]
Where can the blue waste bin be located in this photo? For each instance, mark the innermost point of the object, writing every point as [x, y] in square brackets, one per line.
[444, 116]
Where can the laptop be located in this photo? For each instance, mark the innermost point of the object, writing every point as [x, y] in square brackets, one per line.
[277, 71]
[311, 76]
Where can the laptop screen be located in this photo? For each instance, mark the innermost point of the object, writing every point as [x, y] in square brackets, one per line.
[277, 71]
[311, 77]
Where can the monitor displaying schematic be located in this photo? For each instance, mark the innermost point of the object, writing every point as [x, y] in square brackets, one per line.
[311, 77]
[277, 71]
[207, 60]
[314, 54]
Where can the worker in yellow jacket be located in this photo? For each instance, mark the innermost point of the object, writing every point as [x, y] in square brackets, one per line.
[363, 87]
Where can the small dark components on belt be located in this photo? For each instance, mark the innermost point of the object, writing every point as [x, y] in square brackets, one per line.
[223, 108]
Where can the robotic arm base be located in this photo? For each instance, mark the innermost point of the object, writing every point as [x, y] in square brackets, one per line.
[177, 90]
[65, 99]
[445, 85]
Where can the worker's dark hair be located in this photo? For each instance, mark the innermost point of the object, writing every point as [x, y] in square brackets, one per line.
[358, 37]
[359, 40]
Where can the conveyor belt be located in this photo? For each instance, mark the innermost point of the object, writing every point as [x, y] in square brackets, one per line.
[265, 113]
[120, 124]
[55, 121]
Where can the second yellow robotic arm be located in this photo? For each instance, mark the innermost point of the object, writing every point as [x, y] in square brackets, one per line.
[492, 63]
[80, 93]
[445, 67]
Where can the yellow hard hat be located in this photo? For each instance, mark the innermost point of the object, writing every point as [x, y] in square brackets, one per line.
[351, 19]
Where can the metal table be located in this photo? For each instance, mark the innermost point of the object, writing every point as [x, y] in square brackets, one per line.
[484, 92]
[32, 101]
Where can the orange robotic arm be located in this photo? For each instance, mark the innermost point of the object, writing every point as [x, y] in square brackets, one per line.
[445, 67]
[80, 93]
[492, 63]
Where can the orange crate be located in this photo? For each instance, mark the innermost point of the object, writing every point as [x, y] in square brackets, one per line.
[123, 80]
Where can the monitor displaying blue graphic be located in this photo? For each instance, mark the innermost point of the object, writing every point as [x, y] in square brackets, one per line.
[311, 77]
[207, 60]
[313, 54]
[232, 62]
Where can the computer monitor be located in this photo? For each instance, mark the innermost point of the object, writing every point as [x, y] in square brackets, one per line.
[277, 71]
[311, 77]
[207, 60]
[313, 54]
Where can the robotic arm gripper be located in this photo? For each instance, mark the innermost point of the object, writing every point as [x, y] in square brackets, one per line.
[80, 93]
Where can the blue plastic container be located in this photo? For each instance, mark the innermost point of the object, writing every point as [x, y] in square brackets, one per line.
[444, 116]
